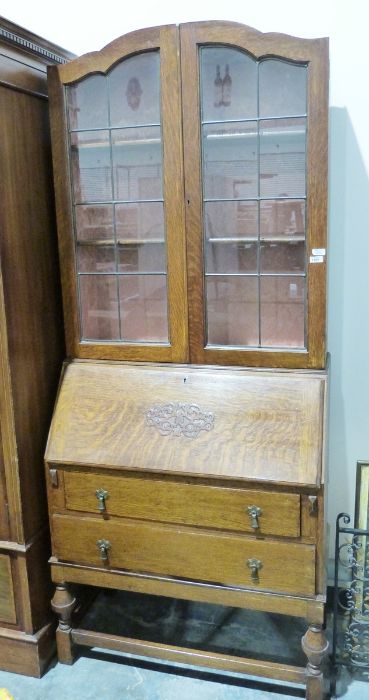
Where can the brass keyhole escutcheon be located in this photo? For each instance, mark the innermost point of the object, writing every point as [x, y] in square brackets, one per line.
[104, 546]
[101, 496]
[254, 513]
[255, 565]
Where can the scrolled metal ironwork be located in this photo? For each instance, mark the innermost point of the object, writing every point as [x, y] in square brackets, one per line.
[351, 600]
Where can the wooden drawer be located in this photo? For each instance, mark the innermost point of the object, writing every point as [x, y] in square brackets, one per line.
[7, 606]
[190, 504]
[186, 553]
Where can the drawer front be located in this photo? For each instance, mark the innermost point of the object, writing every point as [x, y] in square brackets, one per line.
[7, 606]
[189, 504]
[186, 553]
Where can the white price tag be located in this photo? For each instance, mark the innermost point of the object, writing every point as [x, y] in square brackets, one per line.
[316, 258]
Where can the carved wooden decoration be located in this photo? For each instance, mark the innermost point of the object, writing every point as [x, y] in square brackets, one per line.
[179, 419]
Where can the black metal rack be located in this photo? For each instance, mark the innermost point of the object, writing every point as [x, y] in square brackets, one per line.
[350, 644]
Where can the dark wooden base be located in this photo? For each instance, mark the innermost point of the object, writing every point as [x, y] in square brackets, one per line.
[28, 654]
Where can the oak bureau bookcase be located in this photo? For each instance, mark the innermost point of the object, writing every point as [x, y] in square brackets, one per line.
[186, 451]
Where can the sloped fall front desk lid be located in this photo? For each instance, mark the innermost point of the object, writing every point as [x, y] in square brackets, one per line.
[243, 424]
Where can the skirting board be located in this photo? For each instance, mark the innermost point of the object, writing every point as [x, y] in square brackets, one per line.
[27, 654]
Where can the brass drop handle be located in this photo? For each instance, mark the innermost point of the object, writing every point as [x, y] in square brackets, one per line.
[101, 496]
[254, 565]
[104, 546]
[313, 505]
[254, 513]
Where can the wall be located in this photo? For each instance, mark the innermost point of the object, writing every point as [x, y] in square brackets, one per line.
[84, 27]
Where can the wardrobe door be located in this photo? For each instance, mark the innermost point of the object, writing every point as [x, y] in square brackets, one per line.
[4, 523]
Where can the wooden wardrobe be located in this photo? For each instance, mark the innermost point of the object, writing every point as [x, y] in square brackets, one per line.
[31, 346]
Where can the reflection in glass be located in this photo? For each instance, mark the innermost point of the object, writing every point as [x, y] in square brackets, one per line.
[95, 258]
[134, 91]
[87, 103]
[116, 154]
[94, 222]
[224, 256]
[282, 219]
[282, 236]
[90, 158]
[288, 256]
[253, 148]
[143, 308]
[137, 163]
[228, 84]
[230, 162]
[140, 220]
[144, 257]
[231, 220]
[282, 157]
[99, 307]
[282, 311]
[232, 310]
[282, 89]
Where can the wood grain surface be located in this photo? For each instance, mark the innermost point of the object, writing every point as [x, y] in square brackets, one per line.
[31, 345]
[31, 289]
[267, 427]
[182, 503]
[184, 655]
[4, 519]
[7, 604]
[297, 606]
[183, 552]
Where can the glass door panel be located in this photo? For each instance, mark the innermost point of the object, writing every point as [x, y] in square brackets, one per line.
[282, 89]
[134, 91]
[254, 194]
[231, 236]
[282, 157]
[142, 257]
[230, 161]
[91, 166]
[117, 184]
[94, 228]
[140, 221]
[143, 307]
[282, 301]
[228, 84]
[87, 104]
[232, 310]
[137, 163]
[99, 307]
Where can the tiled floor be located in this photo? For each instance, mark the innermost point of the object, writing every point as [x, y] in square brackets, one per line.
[105, 675]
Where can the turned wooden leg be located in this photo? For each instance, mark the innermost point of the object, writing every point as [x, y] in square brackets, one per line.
[63, 605]
[315, 646]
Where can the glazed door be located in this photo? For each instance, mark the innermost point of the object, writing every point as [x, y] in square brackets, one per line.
[121, 221]
[255, 152]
